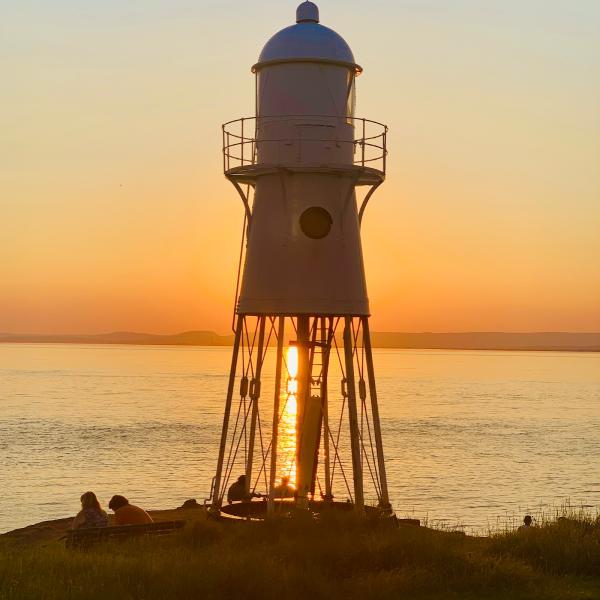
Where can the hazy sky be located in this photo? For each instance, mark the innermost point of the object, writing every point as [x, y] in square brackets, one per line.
[114, 214]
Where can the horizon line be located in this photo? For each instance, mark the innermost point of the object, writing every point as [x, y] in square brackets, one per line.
[382, 331]
[483, 340]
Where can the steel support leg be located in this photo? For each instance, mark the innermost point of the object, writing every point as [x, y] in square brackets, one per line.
[254, 396]
[276, 403]
[217, 495]
[303, 471]
[355, 441]
[326, 338]
[384, 501]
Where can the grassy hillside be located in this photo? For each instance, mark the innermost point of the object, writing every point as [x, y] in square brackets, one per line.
[341, 558]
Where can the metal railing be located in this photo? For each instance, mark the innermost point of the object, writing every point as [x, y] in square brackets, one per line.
[244, 143]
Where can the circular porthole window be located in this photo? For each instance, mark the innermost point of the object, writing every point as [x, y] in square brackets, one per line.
[315, 222]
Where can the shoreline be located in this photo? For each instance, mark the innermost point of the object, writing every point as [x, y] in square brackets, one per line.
[53, 529]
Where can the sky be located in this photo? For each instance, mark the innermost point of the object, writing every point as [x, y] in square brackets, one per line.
[115, 215]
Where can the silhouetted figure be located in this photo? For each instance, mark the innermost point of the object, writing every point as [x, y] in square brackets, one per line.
[191, 503]
[91, 513]
[284, 489]
[127, 514]
[527, 523]
[237, 491]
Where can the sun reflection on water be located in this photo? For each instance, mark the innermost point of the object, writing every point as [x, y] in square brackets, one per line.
[287, 428]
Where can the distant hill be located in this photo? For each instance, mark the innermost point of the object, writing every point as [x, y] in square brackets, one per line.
[188, 338]
[581, 342]
[575, 342]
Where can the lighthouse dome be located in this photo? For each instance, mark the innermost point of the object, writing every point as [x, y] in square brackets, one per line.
[306, 40]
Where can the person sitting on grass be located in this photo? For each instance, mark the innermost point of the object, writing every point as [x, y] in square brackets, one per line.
[91, 513]
[237, 491]
[127, 514]
[527, 523]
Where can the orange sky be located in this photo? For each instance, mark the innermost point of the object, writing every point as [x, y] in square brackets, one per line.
[114, 214]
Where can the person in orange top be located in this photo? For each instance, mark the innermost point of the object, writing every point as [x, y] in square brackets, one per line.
[127, 514]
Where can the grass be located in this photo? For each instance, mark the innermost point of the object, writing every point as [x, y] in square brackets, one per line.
[340, 558]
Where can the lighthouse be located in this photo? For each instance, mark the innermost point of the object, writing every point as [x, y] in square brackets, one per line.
[301, 405]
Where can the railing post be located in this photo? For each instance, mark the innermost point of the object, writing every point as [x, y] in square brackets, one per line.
[253, 142]
[384, 149]
[363, 143]
[243, 142]
[225, 162]
[228, 146]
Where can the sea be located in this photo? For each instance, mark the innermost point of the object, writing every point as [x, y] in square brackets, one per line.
[473, 439]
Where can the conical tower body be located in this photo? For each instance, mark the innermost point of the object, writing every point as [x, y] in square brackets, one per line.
[303, 305]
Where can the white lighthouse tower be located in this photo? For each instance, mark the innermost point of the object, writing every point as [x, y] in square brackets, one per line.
[301, 319]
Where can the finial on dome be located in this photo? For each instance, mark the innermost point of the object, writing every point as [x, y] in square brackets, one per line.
[307, 12]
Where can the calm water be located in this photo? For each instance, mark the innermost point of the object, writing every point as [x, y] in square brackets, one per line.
[470, 437]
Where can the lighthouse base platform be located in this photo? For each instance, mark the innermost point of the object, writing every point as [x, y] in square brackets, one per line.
[257, 510]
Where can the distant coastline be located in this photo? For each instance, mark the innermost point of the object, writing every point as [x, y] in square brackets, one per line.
[544, 341]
